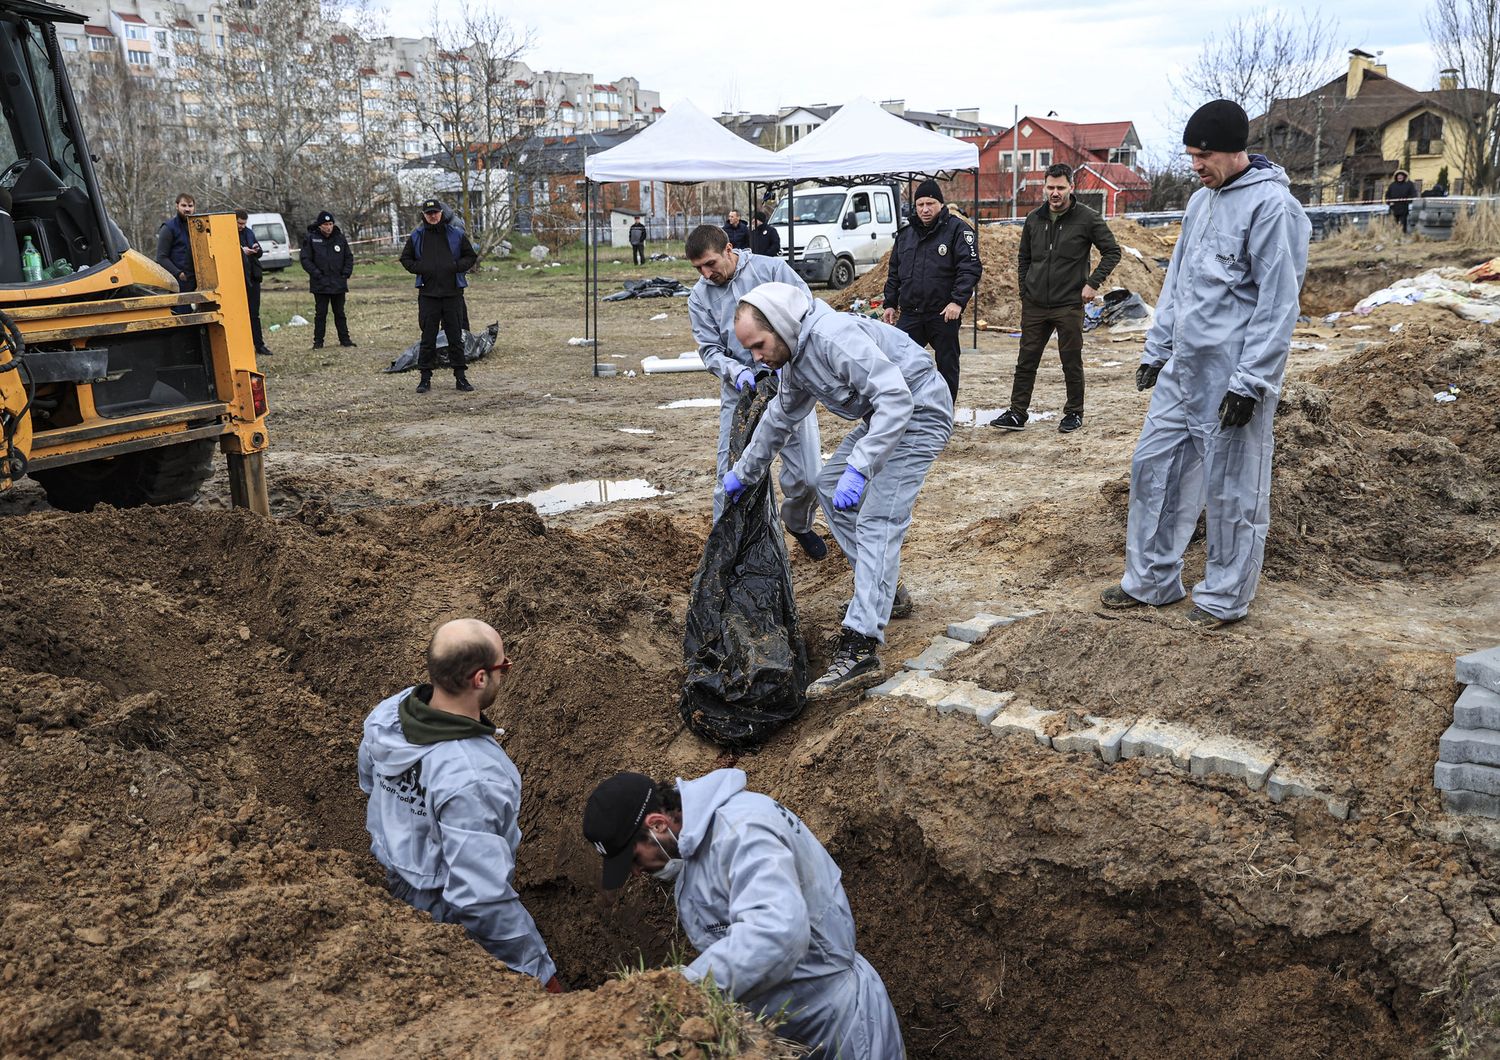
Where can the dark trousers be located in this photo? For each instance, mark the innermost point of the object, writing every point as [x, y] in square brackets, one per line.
[638, 253]
[448, 313]
[320, 317]
[1037, 326]
[252, 292]
[930, 329]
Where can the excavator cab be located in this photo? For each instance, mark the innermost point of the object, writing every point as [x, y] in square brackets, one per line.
[115, 386]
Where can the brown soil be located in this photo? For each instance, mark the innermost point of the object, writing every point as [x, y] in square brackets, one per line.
[997, 301]
[183, 852]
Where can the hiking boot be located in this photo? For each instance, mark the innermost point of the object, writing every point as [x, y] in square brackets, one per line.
[1201, 619]
[1117, 599]
[1070, 423]
[811, 542]
[424, 384]
[464, 385]
[855, 665]
[1010, 420]
[347, 342]
[317, 345]
[901, 605]
[263, 352]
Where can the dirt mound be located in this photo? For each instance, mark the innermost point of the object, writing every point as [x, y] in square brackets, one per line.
[998, 299]
[1374, 477]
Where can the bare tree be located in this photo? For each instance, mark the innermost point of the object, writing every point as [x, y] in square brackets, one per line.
[1466, 37]
[133, 134]
[1270, 61]
[475, 102]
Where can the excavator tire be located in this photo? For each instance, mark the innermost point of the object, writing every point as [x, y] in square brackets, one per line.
[169, 475]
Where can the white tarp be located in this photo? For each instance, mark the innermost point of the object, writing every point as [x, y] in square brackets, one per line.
[686, 146]
[863, 138]
[1446, 287]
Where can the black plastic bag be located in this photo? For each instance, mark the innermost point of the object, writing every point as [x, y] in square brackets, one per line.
[475, 347]
[746, 663]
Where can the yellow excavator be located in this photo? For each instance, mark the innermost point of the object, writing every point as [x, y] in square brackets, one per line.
[115, 386]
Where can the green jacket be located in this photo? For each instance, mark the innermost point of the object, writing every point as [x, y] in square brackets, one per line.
[1054, 255]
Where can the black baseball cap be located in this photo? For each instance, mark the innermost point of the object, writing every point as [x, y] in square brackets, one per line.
[612, 819]
[431, 204]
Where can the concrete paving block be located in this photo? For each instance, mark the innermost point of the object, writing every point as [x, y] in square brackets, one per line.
[969, 698]
[1479, 746]
[1152, 738]
[938, 654]
[1232, 757]
[1102, 737]
[1480, 668]
[1023, 614]
[1283, 784]
[1477, 708]
[977, 628]
[1472, 802]
[1020, 718]
[1449, 776]
[913, 686]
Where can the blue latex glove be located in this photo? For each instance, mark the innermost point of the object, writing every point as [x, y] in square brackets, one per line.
[733, 487]
[850, 489]
[745, 377]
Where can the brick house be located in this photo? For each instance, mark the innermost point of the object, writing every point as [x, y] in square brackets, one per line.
[1103, 155]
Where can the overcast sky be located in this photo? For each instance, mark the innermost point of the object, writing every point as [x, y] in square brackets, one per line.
[1102, 61]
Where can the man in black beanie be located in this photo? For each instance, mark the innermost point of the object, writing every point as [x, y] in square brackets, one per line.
[933, 271]
[1216, 355]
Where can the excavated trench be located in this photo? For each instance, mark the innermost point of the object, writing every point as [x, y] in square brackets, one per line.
[205, 659]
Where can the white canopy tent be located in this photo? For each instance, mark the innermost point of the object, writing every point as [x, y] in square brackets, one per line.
[683, 146]
[864, 139]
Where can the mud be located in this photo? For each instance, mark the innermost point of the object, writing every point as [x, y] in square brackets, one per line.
[182, 846]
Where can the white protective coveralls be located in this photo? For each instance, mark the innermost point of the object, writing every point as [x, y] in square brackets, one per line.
[860, 369]
[1224, 322]
[761, 901]
[442, 820]
[711, 313]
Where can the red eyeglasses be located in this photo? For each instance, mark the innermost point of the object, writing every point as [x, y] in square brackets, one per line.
[503, 666]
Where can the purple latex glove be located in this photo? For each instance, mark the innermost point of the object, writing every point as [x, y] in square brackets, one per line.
[733, 487]
[743, 378]
[849, 490]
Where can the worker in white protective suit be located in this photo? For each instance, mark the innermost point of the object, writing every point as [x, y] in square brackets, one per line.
[445, 799]
[860, 369]
[725, 275]
[760, 900]
[1216, 354]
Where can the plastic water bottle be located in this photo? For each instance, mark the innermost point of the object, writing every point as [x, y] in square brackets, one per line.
[31, 262]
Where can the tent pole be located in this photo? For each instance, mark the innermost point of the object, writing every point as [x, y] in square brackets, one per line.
[791, 224]
[588, 290]
[596, 287]
[974, 321]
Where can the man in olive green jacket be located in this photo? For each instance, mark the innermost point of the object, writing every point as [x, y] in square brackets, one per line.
[1055, 285]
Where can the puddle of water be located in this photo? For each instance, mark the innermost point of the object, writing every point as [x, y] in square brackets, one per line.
[635, 430]
[692, 403]
[570, 495]
[963, 417]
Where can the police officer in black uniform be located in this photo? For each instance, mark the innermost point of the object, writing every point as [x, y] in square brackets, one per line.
[934, 269]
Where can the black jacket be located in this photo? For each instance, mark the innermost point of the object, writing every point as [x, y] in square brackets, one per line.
[1053, 261]
[637, 235]
[253, 272]
[328, 260]
[1400, 189]
[739, 234]
[932, 265]
[765, 240]
[439, 255]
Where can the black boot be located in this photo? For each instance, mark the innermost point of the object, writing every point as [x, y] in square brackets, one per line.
[855, 665]
[461, 382]
[425, 383]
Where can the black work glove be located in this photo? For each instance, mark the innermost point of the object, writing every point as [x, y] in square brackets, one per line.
[1235, 410]
[1145, 376]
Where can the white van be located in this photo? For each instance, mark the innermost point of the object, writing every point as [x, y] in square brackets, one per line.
[842, 232]
[276, 248]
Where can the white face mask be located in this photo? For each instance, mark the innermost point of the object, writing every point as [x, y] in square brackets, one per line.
[673, 868]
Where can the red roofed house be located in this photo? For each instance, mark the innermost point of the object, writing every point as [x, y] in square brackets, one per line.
[1103, 155]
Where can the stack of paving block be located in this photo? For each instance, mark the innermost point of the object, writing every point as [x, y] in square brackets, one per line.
[1468, 769]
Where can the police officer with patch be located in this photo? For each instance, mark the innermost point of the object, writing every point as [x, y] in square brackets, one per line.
[933, 271]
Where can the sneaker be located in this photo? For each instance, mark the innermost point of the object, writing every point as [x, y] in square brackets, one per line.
[1010, 420]
[1117, 599]
[317, 345]
[811, 542]
[424, 385]
[1201, 619]
[855, 665]
[464, 385]
[349, 342]
[1070, 423]
[902, 606]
